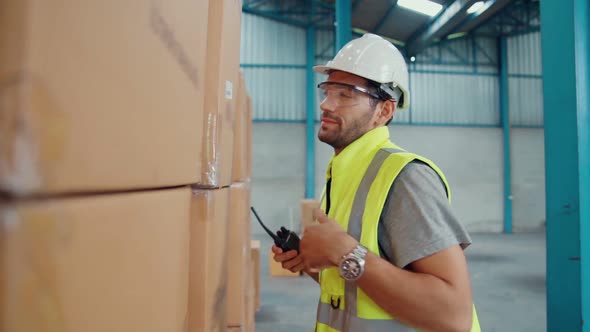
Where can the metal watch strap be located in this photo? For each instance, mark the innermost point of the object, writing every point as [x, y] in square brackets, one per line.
[359, 251]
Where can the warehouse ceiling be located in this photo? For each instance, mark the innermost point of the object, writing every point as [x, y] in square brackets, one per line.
[410, 30]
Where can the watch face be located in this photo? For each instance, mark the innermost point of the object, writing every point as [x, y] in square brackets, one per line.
[350, 268]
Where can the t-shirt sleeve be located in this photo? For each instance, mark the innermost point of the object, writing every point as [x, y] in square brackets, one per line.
[417, 220]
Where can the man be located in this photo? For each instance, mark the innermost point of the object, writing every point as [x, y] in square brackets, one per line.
[388, 249]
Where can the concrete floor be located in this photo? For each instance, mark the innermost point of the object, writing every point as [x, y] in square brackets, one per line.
[507, 274]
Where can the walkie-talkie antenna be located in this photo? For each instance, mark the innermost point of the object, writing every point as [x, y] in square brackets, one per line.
[274, 237]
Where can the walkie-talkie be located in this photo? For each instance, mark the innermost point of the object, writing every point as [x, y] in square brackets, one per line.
[284, 238]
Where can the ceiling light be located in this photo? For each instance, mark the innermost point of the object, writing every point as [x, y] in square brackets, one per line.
[456, 35]
[421, 6]
[413, 59]
[475, 7]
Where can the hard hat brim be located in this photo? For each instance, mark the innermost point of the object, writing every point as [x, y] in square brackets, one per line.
[323, 69]
[326, 70]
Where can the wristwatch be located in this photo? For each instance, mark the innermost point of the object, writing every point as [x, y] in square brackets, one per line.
[352, 265]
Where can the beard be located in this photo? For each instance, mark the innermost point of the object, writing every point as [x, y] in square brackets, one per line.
[338, 137]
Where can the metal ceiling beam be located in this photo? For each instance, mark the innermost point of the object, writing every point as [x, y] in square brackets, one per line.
[343, 23]
[296, 9]
[254, 4]
[464, 58]
[517, 20]
[482, 51]
[450, 17]
[269, 15]
[277, 11]
[323, 4]
[499, 7]
[329, 47]
[383, 19]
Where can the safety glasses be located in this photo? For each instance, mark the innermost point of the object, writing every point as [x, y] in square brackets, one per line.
[343, 94]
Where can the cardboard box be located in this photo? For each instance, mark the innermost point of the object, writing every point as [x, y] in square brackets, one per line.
[276, 269]
[102, 263]
[255, 257]
[253, 287]
[307, 207]
[250, 324]
[221, 98]
[238, 253]
[249, 151]
[208, 260]
[100, 96]
[241, 148]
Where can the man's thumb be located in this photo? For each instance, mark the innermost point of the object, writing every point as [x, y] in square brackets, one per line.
[320, 216]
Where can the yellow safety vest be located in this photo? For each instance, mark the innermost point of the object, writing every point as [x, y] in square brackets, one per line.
[368, 166]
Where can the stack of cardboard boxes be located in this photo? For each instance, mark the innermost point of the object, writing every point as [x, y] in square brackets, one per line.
[122, 184]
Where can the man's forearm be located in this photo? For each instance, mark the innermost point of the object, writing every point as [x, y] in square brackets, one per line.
[418, 299]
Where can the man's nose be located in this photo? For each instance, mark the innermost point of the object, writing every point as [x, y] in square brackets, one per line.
[327, 105]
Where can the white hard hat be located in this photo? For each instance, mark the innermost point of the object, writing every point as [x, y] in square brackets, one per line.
[375, 59]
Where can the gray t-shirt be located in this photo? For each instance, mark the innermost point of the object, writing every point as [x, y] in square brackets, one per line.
[417, 220]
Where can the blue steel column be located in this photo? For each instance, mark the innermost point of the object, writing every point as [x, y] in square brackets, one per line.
[343, 23]
[564, 33]
[505, 120]
[582, 28]
[310, 111]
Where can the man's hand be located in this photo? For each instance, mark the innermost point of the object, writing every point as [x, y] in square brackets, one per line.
[289, 260]
[323, 245]
[293, 262]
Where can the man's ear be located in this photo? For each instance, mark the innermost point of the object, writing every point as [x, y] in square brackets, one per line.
[387, 111]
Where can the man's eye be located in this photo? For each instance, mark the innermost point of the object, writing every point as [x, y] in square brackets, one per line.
[346, 94]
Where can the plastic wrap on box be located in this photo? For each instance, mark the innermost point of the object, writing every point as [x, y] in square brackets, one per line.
[221, 75]
[211, 151]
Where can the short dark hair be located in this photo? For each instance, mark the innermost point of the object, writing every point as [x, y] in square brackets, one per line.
[374, 88]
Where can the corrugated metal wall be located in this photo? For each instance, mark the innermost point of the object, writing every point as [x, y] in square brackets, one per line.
[270, 42]
[525, 81]
[277, 94]
[273, 62]
[325, 48]
[453, 99]
[454, 83]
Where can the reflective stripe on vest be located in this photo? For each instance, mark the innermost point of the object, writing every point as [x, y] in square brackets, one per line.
[355, 223]
[348, 320]
[341, 321]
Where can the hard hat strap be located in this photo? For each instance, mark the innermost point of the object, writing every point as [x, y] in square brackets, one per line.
[389, 91]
